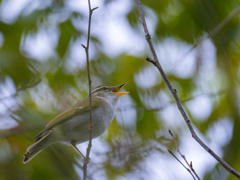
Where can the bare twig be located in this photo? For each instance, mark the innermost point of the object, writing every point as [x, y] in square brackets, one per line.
[191, 166]
[210, 35]
[184, 158]
[174, 93]
[19, 130]
[224, 22]
[21, 89]
[86, 161]
[141, 108]
[181, 163]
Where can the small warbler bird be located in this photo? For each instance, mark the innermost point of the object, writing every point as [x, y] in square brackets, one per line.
[72, 126]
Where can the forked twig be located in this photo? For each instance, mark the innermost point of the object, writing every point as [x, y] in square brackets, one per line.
[86, 161]
[184, 158]
[155, 61]
[181, 163]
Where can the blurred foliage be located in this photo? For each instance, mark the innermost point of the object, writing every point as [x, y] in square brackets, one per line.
[64, 82]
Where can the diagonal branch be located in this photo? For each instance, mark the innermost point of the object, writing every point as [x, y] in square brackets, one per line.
[86, 161]
[210, 35]
[184, 158]
[224, 22]
[21, 89]
[174, 93]
[18, 130]
[162, 107]
[181, 163]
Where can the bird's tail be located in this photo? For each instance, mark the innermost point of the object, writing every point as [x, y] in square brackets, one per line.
[37, 147]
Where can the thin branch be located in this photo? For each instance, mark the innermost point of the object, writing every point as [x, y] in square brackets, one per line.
[181, 163]
[184, 158]
[86, 161]
[21, 89]
[191, 166]
[224, 22]
[174, 93]
[20, 130]
[140, 108]
[210, 35]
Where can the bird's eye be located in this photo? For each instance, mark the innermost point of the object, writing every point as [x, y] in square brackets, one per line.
[104, 88]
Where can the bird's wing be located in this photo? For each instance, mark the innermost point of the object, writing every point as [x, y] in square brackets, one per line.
[76, 109]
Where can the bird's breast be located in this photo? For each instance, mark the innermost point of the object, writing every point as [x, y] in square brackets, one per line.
[77, 128]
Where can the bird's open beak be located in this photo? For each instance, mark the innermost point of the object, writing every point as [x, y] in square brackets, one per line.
[117, 88]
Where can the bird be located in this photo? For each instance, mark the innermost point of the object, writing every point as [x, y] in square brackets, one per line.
[72, 126]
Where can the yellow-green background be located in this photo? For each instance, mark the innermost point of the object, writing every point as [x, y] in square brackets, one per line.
[128, 150]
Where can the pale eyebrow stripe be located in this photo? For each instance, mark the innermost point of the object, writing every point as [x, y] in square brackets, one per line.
[96, 89]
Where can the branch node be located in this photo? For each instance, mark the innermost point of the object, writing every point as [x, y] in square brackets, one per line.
[181, 163]
[148, 37]
[94, 9]
[84, 46]
[151, 61]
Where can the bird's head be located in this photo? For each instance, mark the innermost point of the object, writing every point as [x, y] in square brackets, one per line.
[105, 91]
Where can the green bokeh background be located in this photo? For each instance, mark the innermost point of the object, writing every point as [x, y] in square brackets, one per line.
[47, 86]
